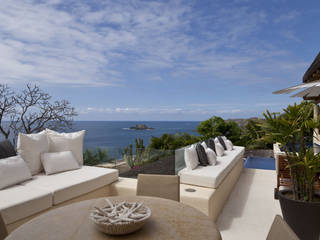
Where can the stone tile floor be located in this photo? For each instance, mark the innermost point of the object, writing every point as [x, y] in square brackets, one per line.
[251, 208]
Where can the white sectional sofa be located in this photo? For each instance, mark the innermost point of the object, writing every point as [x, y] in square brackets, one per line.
[212, 176]
[212, 185]
[23, 201]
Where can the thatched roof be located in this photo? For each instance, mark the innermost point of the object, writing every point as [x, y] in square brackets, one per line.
[313, 72]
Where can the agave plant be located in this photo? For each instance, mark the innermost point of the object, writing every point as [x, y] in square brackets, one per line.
[292, 129]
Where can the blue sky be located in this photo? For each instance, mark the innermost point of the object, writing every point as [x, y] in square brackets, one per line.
[160, 60]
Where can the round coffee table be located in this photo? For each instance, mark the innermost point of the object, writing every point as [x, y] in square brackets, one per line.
[169, 220]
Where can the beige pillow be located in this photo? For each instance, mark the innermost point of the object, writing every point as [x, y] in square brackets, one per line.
[59, 162]
[219, 149]
[60, 142]
[30, 147]
[13, 170]
[191, 157]
[229, 145]
[212, 157]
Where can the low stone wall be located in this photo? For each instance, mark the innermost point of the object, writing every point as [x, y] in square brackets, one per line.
[259, 153]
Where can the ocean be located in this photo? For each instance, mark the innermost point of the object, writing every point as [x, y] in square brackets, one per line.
[117, 134]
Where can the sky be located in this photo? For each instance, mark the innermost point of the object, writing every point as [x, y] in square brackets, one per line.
[160, 60]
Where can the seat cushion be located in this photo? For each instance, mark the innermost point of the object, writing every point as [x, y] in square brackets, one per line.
[67, 185]
[212, 176]
[19, 202]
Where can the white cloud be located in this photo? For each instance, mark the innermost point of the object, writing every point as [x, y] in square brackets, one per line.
[95, 43]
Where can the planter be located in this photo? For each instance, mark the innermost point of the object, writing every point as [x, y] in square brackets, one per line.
[302, 217]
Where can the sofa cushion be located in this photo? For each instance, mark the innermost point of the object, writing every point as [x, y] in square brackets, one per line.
[6, 149]
[212, 176]
[19, 202]
[220, 140]
[229, 145]
[30, 147]
[60, 142]
[59, 162]
[212, 157]
[211, 144]
[67, 185]
[191, 157]
[13, 170]
[202, 156]
[219, 149]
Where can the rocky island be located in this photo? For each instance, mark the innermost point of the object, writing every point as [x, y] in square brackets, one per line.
[141, 127]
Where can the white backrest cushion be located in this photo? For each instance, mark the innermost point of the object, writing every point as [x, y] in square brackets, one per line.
[13, 170]
[60, 142]
[30, 147]
[229, 145]
[204, 145]
[212, 157]
[219, 149]
[59, 162]
[191, 157]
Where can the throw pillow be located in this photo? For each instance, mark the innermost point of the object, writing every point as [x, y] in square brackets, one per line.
[191, 157]
[60, 142]
[210, 143]
[30, 147]
[229, 145]
[7, 149]
[204, 145]
[220, 140]
[59, 162]
[212, 157]
[219, 150]
[202, 156]
[13, 170]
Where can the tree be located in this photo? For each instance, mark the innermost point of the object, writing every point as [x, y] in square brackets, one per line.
[7, 110]
[32, 110]
[253, 135]
[216, 126]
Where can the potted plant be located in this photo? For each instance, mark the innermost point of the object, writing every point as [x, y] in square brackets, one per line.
[293, 129]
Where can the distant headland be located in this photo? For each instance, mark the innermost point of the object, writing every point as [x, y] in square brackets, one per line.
[141, 127]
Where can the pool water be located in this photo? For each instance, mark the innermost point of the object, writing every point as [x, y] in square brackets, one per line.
[260, 163]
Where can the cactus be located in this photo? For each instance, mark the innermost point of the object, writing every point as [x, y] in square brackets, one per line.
[139, 150]
[128, 156]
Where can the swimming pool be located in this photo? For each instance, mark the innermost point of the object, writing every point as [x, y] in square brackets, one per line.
[260, 163]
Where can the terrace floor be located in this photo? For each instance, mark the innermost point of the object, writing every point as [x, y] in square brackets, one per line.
[251, 208]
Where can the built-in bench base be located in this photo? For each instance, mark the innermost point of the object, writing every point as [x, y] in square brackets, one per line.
[208, 200]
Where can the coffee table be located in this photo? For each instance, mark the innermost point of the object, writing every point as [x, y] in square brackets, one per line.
[169, 220]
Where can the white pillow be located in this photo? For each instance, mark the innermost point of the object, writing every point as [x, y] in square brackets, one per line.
[219, 149]
[229, 145]
[204, 145]
[60, 142]
[191, 157]
[13, 170]
[212, 157]
[30, 147]
[59, 162]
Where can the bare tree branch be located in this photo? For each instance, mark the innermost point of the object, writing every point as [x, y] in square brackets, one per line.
[31, 111]
[7, 109]
[38, 112]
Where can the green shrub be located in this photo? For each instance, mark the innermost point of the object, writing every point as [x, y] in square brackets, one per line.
[93, 157]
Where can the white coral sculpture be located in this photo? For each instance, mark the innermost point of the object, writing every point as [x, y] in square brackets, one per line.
[120, 213]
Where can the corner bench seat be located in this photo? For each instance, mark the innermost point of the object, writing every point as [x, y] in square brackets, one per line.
[42, 191]
[18, 202]
[212, 176]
